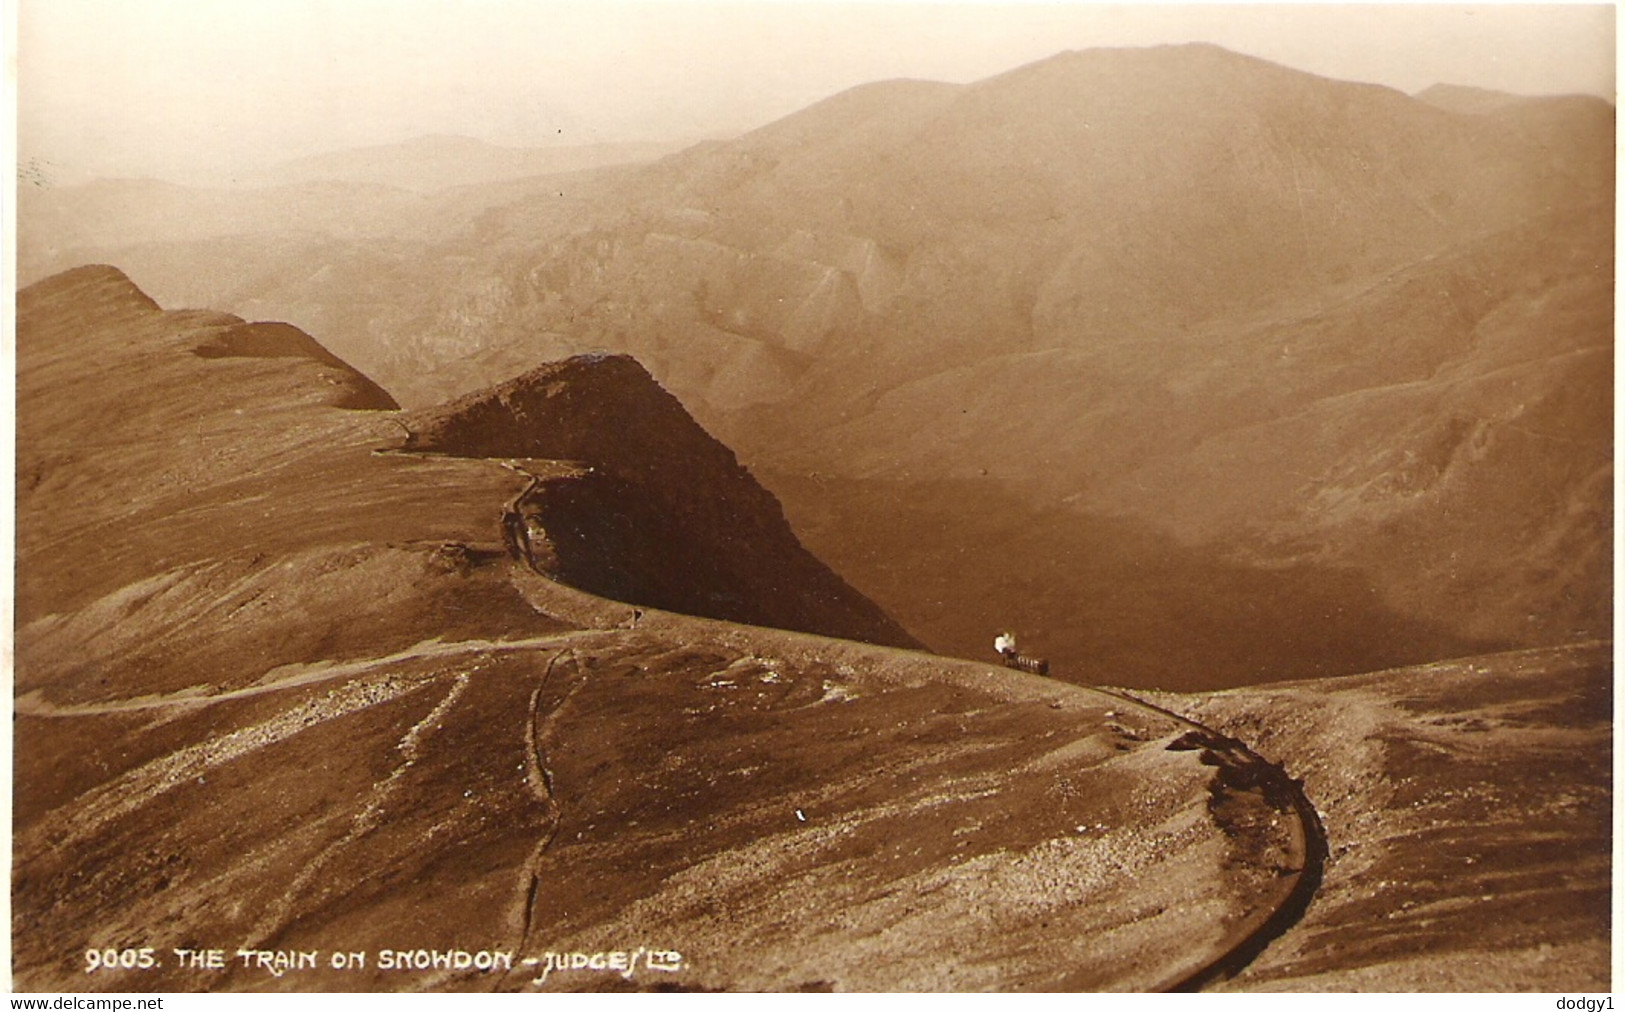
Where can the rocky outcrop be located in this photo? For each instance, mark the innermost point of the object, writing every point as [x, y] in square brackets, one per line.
[656, 512]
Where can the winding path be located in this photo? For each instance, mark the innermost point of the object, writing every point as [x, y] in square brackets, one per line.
[1237, 766]
[33, 704]
[1241, 764]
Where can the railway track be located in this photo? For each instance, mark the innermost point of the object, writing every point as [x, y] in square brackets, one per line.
[1240, 766]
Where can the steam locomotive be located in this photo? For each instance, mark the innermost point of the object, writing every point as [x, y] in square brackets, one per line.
[1005, 645]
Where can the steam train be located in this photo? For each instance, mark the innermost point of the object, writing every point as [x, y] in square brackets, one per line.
[1005, 645]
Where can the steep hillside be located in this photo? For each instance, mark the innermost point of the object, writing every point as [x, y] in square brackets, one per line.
[290, 717]
[1106, 198]
[1425, 473]
[656, 512]
[1470, 808]
[1105, 599]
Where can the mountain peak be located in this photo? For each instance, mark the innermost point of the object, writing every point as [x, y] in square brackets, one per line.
[600, 408]
[1160, 58]
[100, 288]
[100, 303]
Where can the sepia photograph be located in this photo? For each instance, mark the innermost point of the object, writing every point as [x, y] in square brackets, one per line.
[516, 496]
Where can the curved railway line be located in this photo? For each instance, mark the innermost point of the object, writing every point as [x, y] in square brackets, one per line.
[1237, 766]
[1237, 769]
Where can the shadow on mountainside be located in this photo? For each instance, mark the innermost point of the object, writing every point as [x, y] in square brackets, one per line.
[1116, 603]
[654, 510]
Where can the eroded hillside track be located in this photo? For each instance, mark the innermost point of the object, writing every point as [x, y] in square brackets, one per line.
[1246, 767]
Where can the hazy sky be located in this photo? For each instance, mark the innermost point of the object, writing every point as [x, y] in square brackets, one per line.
[184, 88]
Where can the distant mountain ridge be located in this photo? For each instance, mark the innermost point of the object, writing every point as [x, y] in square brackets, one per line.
[1288, 321]
[1462, 98]
[441, 161]
[415, 190]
